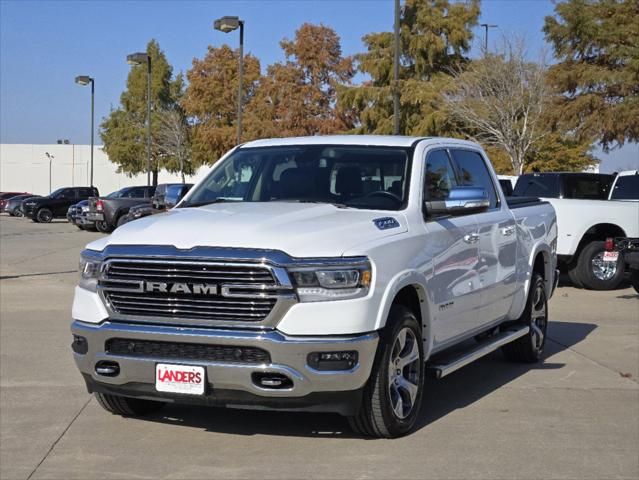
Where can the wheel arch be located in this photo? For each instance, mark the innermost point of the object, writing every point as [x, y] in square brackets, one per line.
[599, 231]
[408, 289]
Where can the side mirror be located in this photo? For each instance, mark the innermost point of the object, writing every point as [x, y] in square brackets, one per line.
[460, 201]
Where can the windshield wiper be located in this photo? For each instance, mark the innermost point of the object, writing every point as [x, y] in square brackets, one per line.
[338, 205]
[209, 202]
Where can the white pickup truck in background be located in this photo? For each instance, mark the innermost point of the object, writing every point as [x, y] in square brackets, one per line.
[320, 274]
[591, 208]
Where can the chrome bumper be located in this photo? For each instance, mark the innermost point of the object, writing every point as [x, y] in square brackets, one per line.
[288, 357]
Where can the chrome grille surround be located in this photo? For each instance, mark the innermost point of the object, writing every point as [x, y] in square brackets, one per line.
[247, 294]
[279, 290]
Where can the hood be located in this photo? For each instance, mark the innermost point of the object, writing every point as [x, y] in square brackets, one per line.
[301, 230]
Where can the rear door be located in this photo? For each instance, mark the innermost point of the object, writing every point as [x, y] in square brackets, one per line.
[450, 242]
[497, 239]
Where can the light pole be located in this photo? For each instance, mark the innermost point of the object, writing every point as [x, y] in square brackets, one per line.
[50, 157]
[396, 72]
[85, 80]
[138, 59]
[486, 27]
[228, 24]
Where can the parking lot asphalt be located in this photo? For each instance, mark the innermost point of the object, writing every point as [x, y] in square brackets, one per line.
[575, 415]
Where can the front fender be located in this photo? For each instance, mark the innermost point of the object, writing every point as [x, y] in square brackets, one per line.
[417, 281]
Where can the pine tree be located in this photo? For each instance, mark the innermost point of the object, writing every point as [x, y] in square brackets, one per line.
[123, 131]
[597, 45]
[435, 38]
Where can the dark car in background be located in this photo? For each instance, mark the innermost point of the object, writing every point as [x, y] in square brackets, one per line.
[77, 215]
[56, 205]
[173, 194]
[11, 205]
[109, 212]
[585, 186]
[4, 195]
[160, 192]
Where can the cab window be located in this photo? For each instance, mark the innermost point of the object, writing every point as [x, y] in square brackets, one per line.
[440, 176]
[473, 172]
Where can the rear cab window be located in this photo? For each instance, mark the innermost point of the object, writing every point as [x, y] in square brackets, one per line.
[626, 188]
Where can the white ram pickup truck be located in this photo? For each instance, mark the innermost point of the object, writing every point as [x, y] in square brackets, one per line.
[320, 274]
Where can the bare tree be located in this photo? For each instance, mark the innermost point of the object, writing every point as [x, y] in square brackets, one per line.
[501, 99]
[174, 139]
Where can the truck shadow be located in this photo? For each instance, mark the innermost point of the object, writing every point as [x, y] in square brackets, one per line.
[457, 391]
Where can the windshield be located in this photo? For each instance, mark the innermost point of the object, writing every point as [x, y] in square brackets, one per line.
[56, 193]
[626, 188]
[349, 176]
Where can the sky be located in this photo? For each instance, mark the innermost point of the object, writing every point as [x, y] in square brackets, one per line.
[45, 44]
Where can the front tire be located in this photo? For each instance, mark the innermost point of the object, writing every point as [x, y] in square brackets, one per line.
[44, 215]
[594, 273]
[393, 394]
[529, 348]
[127, 406]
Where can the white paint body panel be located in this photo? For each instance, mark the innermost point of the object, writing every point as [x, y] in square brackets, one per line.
[576, 217]
[418, 253]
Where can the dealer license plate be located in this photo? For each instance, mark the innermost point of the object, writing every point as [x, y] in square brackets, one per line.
[179, 379]
[610, 256]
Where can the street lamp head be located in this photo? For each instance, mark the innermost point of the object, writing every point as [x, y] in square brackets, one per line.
[488, 25]
[137, 58]
[83, 79]
[227, 24]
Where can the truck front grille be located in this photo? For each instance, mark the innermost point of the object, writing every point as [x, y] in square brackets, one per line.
[199, 293]
[187, 351]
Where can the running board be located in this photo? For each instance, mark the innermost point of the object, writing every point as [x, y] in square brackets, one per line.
[490, 345]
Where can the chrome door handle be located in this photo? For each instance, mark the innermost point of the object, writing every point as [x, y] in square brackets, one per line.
[508, 231]
[471, 238]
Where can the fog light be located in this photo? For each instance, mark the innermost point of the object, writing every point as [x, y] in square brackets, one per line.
[80, 344]
[332, 361]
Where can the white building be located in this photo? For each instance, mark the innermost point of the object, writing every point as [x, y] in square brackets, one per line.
[27, 168]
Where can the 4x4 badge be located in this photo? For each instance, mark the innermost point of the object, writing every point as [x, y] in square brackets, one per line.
[385, 223]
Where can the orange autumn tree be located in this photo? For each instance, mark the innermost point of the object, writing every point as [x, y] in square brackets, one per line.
[298, 96]
[210, 100]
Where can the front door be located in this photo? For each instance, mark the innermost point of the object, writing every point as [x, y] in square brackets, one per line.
[452, 244]
[497, 243]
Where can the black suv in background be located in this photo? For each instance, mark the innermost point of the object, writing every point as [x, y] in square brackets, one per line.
[45, 209]
[109, 212]
[590, 186]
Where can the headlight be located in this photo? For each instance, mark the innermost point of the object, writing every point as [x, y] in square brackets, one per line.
[89, 272]
[331, 283]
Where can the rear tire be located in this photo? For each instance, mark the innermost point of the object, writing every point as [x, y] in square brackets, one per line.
[634, 278]
[127, 406]
[393, 394]
[103, 227]
[573, 274]
[595, 274]
[529, 348]
[44, 215]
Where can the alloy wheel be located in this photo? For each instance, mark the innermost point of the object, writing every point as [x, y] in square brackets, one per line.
[538, 318]
[404, 371]
[601, 269]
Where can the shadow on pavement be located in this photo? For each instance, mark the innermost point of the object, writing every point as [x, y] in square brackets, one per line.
[459, 390]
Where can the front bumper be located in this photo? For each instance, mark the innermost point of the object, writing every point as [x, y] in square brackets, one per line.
[232, 384]
[29, 211]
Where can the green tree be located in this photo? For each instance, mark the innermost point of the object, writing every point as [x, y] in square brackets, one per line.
[597, 45]
[298, 97]
[123, 131]
[210, 100]
[435, 39]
